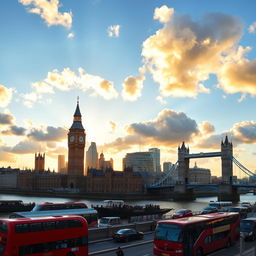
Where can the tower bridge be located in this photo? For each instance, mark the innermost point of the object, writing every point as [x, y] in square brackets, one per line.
[184, 191]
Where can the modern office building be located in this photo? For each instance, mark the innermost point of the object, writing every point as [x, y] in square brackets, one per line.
[92, 157]
[156, 157]
[61, 164]
[139, 161]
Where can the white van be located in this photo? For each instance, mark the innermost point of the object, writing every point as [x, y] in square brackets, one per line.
[109, 221]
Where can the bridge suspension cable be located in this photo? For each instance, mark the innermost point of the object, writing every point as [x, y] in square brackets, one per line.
[243, 168]
[167, 174]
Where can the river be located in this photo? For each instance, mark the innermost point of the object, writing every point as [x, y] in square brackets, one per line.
[196, 205]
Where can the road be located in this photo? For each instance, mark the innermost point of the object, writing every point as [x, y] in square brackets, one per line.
[145, 248]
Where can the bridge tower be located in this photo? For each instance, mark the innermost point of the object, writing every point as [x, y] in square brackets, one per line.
[183, 164]
[226, 161]
[181, 192]
[227, 192]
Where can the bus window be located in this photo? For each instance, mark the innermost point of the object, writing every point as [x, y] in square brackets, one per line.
[169, 232]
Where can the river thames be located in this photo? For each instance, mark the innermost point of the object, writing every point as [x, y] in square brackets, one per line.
[196, 205]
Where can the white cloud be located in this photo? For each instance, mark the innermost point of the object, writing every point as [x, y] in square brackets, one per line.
[163, 14]
[183, 54]
[49, 12]
[252, 27]
[132, 87]
[5, 96]
[71, 35]
[114, 31]
[67, 80]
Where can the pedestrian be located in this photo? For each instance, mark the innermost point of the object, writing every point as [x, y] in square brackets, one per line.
[119, 252]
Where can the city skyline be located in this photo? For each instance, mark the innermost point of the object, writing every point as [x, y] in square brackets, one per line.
[149, 74]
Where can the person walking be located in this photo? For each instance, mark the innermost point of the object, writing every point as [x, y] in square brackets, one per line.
[119, 252]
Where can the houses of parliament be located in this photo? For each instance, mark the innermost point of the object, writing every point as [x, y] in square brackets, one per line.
[93, 179]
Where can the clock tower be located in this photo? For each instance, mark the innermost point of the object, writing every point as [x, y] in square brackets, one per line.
[76, 144]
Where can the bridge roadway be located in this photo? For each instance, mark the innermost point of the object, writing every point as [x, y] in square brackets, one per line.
[142, 248]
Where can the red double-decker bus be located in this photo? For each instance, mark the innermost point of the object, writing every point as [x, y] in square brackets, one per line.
[196, 235]
[51, 236]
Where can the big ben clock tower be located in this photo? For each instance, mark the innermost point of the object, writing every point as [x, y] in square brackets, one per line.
[76, 144]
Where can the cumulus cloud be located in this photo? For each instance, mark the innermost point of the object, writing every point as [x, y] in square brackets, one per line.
[168, 129]
[206, 128]
[238, 74]
[23, 147]
[71, 35]
[163, 14]
[6, 119]
[14, 130]
[132, 87]
[48, 10]
[252, 27]
[67, 80]
[48, 134]
[5, 96]
[183, 54]
[114, 31]
[239, 133]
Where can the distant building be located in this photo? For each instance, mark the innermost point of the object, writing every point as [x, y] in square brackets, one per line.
[139, 161]
[61, 164]
[39, 162]
[114, 181]
[105, 164]
[199, 175]
[156, 158]
[167, 166]
[92, 157]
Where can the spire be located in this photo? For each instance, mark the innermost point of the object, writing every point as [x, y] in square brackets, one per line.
[77, 121]
[77, 112]
[226, 140]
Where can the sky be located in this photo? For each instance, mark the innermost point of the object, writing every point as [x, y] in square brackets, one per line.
[148, 73]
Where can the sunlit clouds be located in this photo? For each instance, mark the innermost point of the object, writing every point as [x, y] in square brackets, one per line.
[114, 31]
[5, 96]
[132, 87]
[163, 14]
[49, 12]
[252, 27]
[183, 54]
[67, 80]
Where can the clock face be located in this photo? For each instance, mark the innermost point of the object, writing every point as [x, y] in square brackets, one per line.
[72, 138]
[81, 139]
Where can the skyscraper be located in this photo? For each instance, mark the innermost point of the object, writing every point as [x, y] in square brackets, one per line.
[61, 164]
[156, 157]
[92, 157]
[76, 144]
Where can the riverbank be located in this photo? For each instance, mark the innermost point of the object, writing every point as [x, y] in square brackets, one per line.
[99, 196]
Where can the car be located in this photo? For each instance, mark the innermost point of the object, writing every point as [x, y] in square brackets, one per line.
[247, 205]
[182, 213]
[242, 211]
[127, 234]
[248, 228]
[209, 209]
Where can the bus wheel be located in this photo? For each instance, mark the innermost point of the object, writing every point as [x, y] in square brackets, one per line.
[199, 252]
[71, 254]
[228, 243]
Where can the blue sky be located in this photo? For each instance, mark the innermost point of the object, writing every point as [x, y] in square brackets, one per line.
[148, 73]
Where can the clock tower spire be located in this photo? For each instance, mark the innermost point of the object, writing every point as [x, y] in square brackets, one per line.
[76, 144]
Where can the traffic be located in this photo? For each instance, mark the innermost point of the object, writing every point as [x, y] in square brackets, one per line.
[73, 229]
